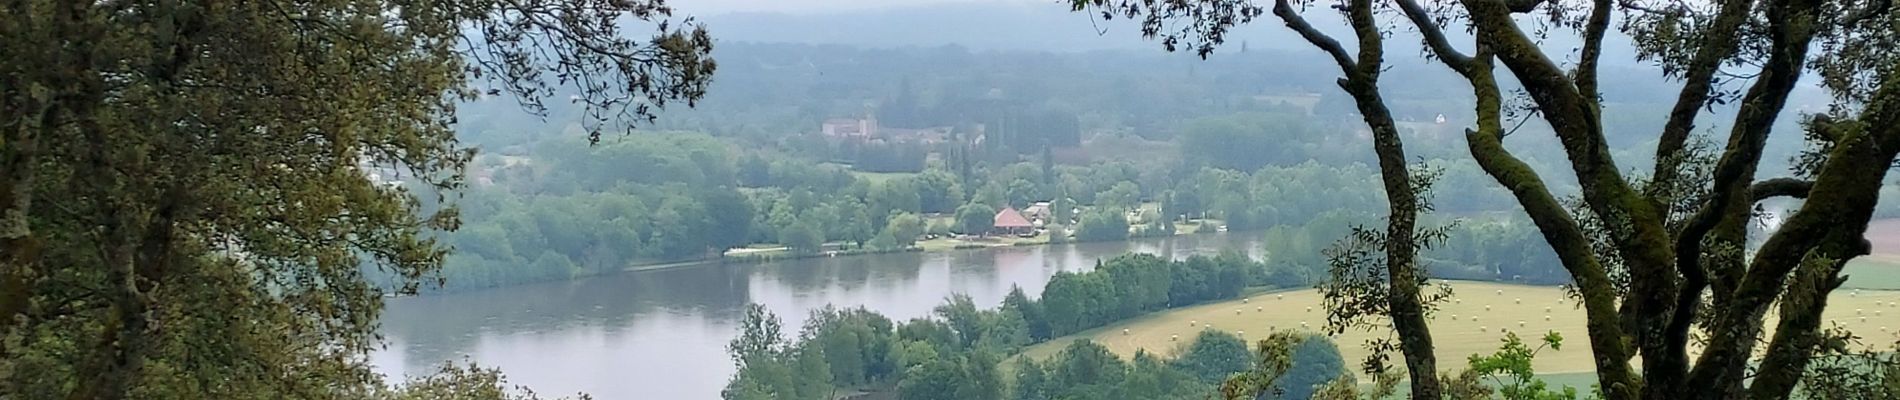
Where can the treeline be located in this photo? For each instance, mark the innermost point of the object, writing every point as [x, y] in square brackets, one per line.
[954, 353]
[1086, 370]
[1134, 284]
[570, 209]
[550, 217]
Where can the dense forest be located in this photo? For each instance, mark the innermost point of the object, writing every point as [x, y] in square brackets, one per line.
[959, 352]
[1248, 152]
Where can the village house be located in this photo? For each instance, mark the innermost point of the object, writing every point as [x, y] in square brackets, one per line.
[1011, 222]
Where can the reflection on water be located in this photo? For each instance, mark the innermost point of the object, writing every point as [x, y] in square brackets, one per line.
[662, 334]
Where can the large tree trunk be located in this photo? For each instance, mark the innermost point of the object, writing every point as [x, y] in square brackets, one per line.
[1405, 302]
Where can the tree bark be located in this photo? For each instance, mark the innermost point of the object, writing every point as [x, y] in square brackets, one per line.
[1405, 306]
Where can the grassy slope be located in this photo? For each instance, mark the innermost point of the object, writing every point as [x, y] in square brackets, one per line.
[1455, 339]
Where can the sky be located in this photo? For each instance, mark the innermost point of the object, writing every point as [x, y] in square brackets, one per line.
[713, 7]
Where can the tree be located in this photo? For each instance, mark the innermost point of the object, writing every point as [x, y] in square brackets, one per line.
[1032, 312]
[1316, 362]
[964, 319]
[975, 218]
[1123, 196]
[894, 196]
[1085, 369]
[1062, 209]
[1655, 258]
[992, 194]
[804, 237]
[1102, 224]
[903, 229]
[1510, 368]
[1032, 383]
[208, 165]
[1021, 192]
[1214, 355]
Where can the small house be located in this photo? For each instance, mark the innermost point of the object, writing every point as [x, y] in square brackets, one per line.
[1011, 222]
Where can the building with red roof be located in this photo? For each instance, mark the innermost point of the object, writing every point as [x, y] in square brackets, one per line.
[1009, 221]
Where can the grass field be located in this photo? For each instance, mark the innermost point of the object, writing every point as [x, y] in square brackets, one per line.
[881, 177]
[1460, 328]
[1877, 271]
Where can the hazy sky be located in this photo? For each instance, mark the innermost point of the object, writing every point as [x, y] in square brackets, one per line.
[711, 7]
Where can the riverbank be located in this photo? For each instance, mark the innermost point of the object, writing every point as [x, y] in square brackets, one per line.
[940, 244]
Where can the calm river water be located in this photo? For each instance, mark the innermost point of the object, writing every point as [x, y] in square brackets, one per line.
[662, 334]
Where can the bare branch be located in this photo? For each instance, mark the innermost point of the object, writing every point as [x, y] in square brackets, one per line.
[1312, 35]
[1434, 36]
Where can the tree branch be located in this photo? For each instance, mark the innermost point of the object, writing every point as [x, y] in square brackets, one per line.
[1592, 49]
[1829, 224]
[1434, 36]
[1312, 35]
[1718, 44]
[1522, 6]
[1779, 187]
[1607, 339]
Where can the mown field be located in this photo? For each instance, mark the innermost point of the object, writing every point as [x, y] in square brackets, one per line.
[1880, 270]
[1462, 326]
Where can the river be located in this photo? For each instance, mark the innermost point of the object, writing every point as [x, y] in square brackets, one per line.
[662, 334]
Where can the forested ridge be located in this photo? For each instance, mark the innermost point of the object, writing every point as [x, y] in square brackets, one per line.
[1249, 152]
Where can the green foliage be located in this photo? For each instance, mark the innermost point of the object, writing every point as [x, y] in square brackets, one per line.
[1510, 369]
[803, 237]
[1123, 196]
[457, 382]
[771, 368]
[903, 229]
[1034, 317]
[971, 377]
[1130, 285]
[975, 218]
[1102, 224]
[1213, 356]
[196, 198]
[1316, 363]
[1062, 210]
[858, 345]
[1249, 141]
